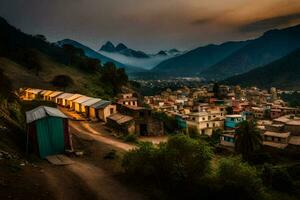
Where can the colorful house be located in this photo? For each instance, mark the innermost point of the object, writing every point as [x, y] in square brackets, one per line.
[233, 121]
[47, 131]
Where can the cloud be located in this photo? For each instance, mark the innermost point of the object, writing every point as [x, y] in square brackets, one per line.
[269, 23]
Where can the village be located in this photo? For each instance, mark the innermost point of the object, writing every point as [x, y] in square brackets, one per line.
[206, 109]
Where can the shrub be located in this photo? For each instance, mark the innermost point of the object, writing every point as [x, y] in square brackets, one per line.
[281, 180]
[130, 138]
[176, 164]
[239, 179]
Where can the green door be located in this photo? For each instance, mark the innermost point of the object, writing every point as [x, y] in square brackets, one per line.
[50, 135]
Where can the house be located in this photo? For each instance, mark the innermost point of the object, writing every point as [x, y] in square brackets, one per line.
[128, 99]
[145, 124]
[227, 139]
[62, 98]
[258, 112]
[85, 106]
[101, 110]
[53, 96]
[31, 94]
[47, 131]
[77, 104]
[121, 123]
[206, 122]
[233, 121]
[276, 139]
[69, 100]
[275, 113]
[47, 94]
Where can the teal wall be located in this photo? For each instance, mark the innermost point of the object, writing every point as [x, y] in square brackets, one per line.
[50, 136]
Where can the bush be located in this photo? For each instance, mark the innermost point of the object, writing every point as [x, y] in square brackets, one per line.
[277, 177]
[177, 164]
[130, 138]
[281, 180]
[239, 180]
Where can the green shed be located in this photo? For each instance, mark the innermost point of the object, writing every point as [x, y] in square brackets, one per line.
[47, 131]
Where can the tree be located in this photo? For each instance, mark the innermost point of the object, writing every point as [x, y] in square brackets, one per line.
[248, 139]
[62, 81]
[5, 86]
[216, 90]
[215, 136]
[113, 77]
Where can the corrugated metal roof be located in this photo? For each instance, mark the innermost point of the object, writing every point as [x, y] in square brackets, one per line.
[119, 118]
[82, 99]
[64, 95]
[44, 92]
[54, 94]
[42, 112]
[75, 96]
[34, 91]
[48, 93]
[101, 104]
[91, 102]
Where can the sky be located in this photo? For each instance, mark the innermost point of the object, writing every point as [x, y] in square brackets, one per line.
[150, 25]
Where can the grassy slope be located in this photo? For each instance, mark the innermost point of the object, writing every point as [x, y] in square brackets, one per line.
[21, 77]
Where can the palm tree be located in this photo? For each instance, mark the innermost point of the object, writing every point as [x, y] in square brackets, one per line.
[248, 139]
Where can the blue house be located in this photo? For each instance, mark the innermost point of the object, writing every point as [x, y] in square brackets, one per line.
[233, 121]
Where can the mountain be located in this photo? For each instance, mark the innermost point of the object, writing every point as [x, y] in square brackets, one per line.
[194, 61]
[282, 73]
[271, 46]
[93, 54]
[108, 46]
[122, 49]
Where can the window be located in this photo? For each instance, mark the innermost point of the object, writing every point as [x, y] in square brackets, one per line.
[209, 117]
[214, 124]
[203, 118]
[207, 125]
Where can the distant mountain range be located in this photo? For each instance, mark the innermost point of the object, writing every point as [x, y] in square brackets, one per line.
[271, 46]
[282, 73]
[136, 58]
[195, 61]
[94, 54]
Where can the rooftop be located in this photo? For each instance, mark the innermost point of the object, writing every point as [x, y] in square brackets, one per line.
[42, 112]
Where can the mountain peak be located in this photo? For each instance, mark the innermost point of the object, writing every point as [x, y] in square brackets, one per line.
[108, 46]
[121, 47]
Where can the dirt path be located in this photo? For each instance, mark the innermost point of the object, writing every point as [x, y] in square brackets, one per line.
[84, 130]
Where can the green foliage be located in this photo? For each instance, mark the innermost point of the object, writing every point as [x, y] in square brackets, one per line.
[113, 77]
[130, 138]
[5, 87]
[193, 132]
[215, 137]
[170, 123]
[175, 164]
[62, 81]
[248, 139]
[239, 180]
[278, 178]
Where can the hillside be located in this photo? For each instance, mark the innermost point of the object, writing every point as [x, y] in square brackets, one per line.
[283, 73]
[31, 61]
[97, 55]
[271, 46]
[198, 59]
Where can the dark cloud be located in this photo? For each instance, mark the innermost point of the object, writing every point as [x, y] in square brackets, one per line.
[269, 23]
